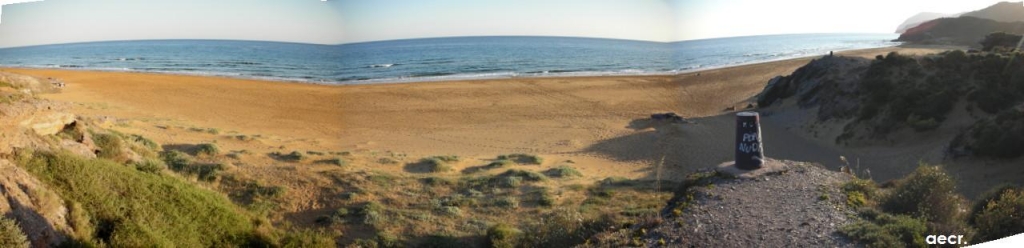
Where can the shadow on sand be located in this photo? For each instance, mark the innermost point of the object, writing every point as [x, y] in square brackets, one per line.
[681, 148]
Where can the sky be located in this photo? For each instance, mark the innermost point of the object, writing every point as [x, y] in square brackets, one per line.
[350, 21]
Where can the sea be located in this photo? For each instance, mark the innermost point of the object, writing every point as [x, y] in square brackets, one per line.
[433, 59]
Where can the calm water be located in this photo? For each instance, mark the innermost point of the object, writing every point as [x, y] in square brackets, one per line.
[431, 59]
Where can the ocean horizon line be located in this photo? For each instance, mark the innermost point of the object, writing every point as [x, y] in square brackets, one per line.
[428, 79]
[436, 37]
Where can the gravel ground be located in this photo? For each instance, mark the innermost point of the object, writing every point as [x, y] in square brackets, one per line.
[799, 207]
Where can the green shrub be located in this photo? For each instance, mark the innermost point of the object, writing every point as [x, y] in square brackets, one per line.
[337, 217]
[388, 240]
[500, 163]
[176, 160]
[507, 202]
[207, 149]
[511, 181]
[563, 227]
[373, 213]
[148, 143]
[206, 172]
[860, 192]
[110, 147]
[884, 230]
[451, 211]
[1001, 216]
[150, 165]
[564, 171]
[11, 235]
[545, 198]
[524, 174]
[336, 161]
[437, 164]
[999, 137]
[928, 192]
[387, 161]
[260, 191]
[522, 158]
[503, 236]
[129, 208]
[294, 156]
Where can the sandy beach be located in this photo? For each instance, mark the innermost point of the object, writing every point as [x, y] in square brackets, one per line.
[597, 122]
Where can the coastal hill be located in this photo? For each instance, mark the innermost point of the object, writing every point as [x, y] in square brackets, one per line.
[1001, 12]
[969, 28]
[919, 18]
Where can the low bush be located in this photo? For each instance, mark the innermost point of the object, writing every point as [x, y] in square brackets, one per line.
[176, 160]
[860, 192]
[294, 156]
[207, 149]
[999, 137]
[564, 172]
[877, 229]
[437, 164]
[373, 213]
[524, 174]
[928, 193]
[11, 235]
[507, 202]
[503, 236]
[150, 165]
[1000, 216]
[337, 217]
[110, 146]
[563, 227]
[335, 161]
[500, 163]
[522, 158]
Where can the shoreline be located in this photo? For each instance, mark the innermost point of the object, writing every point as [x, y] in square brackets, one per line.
[597, 121]
[470, 77]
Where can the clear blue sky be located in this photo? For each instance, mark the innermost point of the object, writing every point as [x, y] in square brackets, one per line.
[346, 21]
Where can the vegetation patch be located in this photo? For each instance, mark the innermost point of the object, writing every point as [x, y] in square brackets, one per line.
[522, 158]
[998, 137]
[564, 172]
[207, 149]
[130, 208]
[294, 156]
[503, 236]
[11, 235]
[999, 214]
[110, 147]
[884, 230]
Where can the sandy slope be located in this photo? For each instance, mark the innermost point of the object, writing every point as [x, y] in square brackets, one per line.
[596, 121]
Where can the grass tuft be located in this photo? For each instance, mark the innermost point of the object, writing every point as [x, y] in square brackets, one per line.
[11, 235]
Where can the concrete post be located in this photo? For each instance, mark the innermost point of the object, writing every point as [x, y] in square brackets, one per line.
[749, 150]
